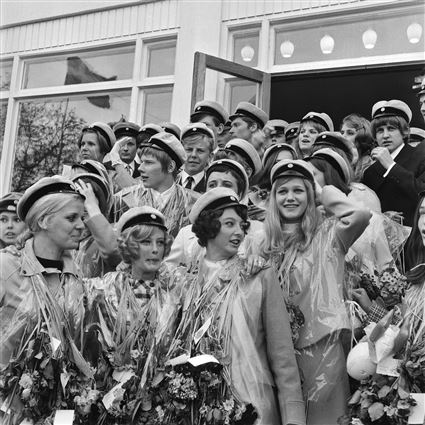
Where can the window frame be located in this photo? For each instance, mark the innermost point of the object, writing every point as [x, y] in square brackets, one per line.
[136, 84]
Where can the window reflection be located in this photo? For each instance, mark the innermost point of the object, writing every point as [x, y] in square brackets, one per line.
[81, 68]
[157, 106]
[161, 60]
[3, 112]
[5, 74]
[241, 90]
[48, 132]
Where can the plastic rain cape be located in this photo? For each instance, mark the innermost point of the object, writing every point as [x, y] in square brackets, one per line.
[221, 316]
[44, 332]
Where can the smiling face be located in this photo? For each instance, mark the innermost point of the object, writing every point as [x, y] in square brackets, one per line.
[198, 155]
[307, 137]
[421, 221]
[90, 147]
[151, 253]
[65, 227]
[389, 136]
[230, 236]
[291, 198]
[10, 227]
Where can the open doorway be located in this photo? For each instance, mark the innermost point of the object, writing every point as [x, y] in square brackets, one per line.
[339, 93]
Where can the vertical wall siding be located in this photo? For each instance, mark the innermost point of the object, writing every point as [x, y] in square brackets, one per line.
[89, 27]
[240, 9]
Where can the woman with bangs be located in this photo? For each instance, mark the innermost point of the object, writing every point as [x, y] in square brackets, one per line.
[308, 251]
[357, 130]
[140, 280]
[311, 126]
[398, 172]
[228, 174]
[238, 318]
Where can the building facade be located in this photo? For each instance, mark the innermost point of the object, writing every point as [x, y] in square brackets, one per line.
[136, 60]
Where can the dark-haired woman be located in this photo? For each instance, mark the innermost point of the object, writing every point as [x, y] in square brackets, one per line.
[248, 329]
[228, 174]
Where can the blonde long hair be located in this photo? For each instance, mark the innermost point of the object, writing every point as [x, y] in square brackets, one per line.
[276, 240]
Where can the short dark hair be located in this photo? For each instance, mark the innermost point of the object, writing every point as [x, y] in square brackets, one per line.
[207, 225]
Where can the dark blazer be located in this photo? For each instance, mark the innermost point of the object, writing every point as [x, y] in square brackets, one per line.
[201, 187]
[399, 190]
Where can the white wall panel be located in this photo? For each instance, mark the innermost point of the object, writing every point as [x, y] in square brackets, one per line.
[241, 9]
[90, 27]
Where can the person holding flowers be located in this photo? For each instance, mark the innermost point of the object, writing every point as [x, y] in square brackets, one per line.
[307, 251]
[238, 319]
[388, 397]
[42, 303]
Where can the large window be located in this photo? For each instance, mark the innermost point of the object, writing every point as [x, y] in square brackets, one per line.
[48, 132]
[54, 96]
[80, 68]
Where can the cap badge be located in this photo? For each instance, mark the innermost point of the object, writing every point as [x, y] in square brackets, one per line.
[232, 198]
[290, 165]
[153, 216]
[324, 136]
[194, 128]
[382, 109]
[198, 108]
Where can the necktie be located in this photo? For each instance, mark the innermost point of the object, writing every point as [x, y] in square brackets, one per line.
[129, 170]
[189, 182]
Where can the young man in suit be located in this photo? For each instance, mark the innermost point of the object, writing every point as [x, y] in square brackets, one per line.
[198, 141]
[398, 173]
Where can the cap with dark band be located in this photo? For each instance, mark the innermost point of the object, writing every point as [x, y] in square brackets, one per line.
[335, 160]
[45, 186]
[90, 168]
[151, 129]
[288, 168]
[171, 128]
[214, 199]
[391, 108]
[136, 216]
[169, 144]
[277, 147]
[210, 107]
[320, 118]
[126, 128]
[104, 130]
[334, 139]
[247, 152]
[9, 202]
[104, 187]
[246, 109]
[197, 127]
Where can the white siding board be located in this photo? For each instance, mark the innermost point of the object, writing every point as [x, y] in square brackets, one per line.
[91, 27]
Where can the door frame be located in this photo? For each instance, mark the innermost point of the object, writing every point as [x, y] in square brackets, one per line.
[202, 62]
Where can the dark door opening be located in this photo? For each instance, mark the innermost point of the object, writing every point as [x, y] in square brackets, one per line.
[339, 93]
